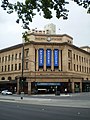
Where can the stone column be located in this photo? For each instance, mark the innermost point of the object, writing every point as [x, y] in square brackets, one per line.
[18, 87]
[72, 62]
[80, 86]
[73, 87]
[52, 61]
[37, 60]
[44, 59]
[29, 88]
[64, 59]
[60, 60]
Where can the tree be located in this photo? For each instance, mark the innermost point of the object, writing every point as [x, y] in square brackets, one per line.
[29, 8]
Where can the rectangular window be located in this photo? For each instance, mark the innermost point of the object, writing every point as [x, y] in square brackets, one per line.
[69, 66]
[74, 67]
[69, 53]
[80, 68]
[26, 65]
[19, 55]
[77, 57]
[5, 68]
[5, 58]
[15, 66]
[2, 59]
[77, 67]
[27, 53]
[19, 66]
[74, 56]
[8, 67]
[9, 58]
[2, 68]
[82, 59]
[12, 67]
[87, 69]
[15, 56]
[12, 57]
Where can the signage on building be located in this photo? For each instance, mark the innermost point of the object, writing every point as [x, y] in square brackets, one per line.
[48, 84]
[56, 57]
[48, 57]
[41, 57]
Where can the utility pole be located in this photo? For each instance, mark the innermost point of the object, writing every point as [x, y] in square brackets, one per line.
[22, 80]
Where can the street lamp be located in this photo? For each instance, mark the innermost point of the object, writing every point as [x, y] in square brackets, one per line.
[22, 80]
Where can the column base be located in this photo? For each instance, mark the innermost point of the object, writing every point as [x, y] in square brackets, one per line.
[29, 92]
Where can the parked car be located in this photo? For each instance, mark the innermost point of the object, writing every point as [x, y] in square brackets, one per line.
[6, 92]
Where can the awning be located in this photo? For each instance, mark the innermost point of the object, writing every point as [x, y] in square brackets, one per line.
[7, 81]
[86, 81]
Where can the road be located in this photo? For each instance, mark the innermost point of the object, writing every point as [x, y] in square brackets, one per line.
[81, 100]
[19, 111]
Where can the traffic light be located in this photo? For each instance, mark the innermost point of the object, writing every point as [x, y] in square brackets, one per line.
[22, 79]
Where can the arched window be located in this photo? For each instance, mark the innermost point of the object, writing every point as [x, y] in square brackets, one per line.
[9, 78]
[3, 78]
[16, 77]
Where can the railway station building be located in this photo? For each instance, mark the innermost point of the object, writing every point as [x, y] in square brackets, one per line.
[47, 63]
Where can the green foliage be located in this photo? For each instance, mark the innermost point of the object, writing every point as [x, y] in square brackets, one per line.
[27, 10]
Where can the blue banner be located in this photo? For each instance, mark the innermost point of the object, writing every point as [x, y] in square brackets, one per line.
[56, 57]
[48, 57]
[41, 57]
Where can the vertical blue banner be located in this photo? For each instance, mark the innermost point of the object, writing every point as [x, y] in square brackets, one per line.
[56, 57]
[41, 57]
[48, 57]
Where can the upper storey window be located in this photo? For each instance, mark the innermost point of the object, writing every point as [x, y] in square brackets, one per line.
[19, 55]
[9, 58]
[26, 52]
[69, 53]
[15, 56]
[2, 59]
[5, 58]
[74, 56]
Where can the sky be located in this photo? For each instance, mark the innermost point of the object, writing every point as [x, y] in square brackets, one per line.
[77, 26]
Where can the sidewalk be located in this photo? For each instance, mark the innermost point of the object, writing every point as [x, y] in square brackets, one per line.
[28, 97]
[25, 98]
[38, 100]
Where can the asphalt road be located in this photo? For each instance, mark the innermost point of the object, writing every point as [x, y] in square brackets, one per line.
[18, 111]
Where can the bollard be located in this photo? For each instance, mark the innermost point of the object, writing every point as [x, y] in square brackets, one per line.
[22, 94]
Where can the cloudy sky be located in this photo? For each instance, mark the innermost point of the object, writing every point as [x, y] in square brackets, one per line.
[77, 26]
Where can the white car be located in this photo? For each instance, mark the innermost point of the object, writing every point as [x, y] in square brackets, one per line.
[6, 92]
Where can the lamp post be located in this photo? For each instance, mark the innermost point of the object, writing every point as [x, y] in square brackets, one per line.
[22, 71]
